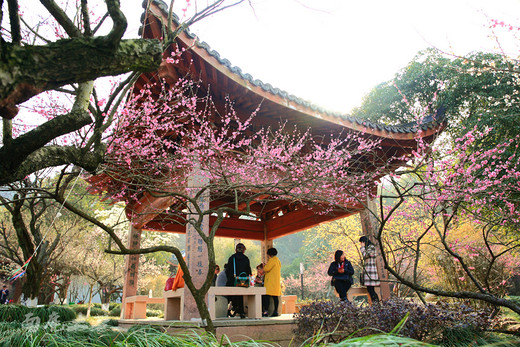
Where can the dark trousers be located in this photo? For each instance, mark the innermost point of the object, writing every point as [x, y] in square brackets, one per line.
[342, 287]
[237, 301]
[372, 292]
[265, 303]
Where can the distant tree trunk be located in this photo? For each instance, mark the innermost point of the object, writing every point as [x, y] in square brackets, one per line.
[46, 295]
[90, 300]
[107, 291]
[17, 295]
[63, 289]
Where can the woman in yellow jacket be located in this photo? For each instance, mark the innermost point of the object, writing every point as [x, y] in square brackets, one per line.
[272, 282]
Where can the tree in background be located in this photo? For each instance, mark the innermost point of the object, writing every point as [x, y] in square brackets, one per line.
[290, 253]
[447, 272]
[316, 283]
[469, 183]
[320, 243]
[479, 89]
[37, 233]
[444, 197]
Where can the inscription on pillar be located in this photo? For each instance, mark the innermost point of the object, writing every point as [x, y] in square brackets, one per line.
[196, 248]
[132, 263]
[131, 267]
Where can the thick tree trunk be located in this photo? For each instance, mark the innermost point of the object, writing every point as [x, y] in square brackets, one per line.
[26, 71]
[27, 153]
[17, 295]
[34, 270]
[34, 280]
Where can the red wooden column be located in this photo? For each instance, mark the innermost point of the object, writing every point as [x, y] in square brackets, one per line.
[196, 248]
[131, 269]
[370, 225]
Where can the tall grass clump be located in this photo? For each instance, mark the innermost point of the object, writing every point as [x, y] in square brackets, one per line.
[13, 313]
[154, 336]
[62, 335]
[75, 334]
[20, 313]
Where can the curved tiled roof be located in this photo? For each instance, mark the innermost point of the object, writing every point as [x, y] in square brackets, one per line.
[429, 122]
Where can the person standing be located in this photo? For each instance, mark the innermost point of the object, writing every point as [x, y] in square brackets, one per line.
[4, 294]
[237, 264]
[272, 282]
[370, 276]
[221, 278]
[214, 281]
[341, 271]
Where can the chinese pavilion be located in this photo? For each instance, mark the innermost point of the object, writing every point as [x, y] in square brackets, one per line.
[275, 218]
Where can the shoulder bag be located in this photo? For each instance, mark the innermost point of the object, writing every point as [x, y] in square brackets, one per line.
[242, 280]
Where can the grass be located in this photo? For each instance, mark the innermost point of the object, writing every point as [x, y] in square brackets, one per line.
[98, 332]
[83, 334]
[510, 314]
[381, 340]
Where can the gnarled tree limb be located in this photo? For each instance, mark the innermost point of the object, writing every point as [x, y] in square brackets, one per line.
[26, 71]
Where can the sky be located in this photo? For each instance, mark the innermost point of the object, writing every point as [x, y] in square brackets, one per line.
[332, 52]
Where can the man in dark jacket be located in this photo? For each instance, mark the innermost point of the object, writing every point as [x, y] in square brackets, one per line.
[237, 265]
[4, 294]
[341, 271]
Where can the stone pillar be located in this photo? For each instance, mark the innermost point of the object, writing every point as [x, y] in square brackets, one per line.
[370, 226]
[196, 249]
[131, 269]
[266, 244]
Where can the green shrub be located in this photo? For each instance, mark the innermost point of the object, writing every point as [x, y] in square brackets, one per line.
[79, 308]
[154, 313]
[159, 307]
[113, 305]
[13, 313]
[18, 313]
[111, 322]
[424, 323]
[65, 313]
[68, 334]
[94, 311]
[115, 312]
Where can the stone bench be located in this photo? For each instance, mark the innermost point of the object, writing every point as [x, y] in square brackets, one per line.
[173, 304]
[289, 304]
[252, 299]
[174, 301]
[135, 306]
[361, 291]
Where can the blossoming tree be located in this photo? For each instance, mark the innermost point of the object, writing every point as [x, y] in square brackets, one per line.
[160, 142]
[462, 188]
[48, 46]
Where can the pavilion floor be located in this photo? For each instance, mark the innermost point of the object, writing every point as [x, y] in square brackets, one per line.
[278, 330]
